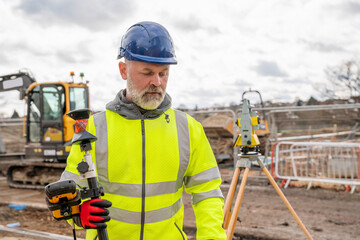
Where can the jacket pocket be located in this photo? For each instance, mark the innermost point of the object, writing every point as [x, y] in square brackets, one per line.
[180, 231]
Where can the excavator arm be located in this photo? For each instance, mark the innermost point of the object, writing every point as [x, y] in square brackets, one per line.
[17, 81]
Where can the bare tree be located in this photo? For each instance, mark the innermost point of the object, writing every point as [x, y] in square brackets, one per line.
[343, 80]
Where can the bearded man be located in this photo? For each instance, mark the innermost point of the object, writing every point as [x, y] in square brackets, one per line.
[147, 153]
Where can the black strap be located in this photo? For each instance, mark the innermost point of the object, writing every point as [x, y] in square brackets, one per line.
[74, 232]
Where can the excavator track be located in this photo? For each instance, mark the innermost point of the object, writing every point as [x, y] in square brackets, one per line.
[34, 174]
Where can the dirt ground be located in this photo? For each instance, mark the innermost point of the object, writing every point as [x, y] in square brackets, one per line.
[328, 214]
[35, 219]
[13, 139]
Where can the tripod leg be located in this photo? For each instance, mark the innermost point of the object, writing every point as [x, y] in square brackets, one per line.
[230, 196]
[230, 230]
[287, 203]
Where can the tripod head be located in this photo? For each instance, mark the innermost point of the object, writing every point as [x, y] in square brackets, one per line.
[81, 136]
[248, 122]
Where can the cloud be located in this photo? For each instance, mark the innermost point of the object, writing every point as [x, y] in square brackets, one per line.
[238, 86]
[267, 68]
[192, 23]
[352, 7]
[297, 81]
[30, 46]
[204, 93]
[322, 47]
[4, 59]
[187, 24]
[81, 54]
[90, 14]
[7, 50]
[241, 82]
[6, 47]
[66, 57]
[10, 52]
[199, 96]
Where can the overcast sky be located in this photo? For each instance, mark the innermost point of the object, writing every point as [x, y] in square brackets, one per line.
[278, 47]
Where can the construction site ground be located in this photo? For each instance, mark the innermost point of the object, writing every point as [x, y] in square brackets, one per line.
[327, 213]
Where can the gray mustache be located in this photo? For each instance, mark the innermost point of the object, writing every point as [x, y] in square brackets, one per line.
[154, 89]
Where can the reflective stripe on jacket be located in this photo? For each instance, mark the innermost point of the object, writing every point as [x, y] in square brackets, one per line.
[143, 164]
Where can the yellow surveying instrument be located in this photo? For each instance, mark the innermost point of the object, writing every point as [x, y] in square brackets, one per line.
[249, 152]
[63, 199]
[248, 123]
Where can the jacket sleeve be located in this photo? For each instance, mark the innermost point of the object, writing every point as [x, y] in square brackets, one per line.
[202, 180]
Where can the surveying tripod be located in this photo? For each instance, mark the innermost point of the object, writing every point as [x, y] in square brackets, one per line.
[249, 146]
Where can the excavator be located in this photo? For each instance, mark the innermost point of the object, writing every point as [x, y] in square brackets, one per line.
[48, 129]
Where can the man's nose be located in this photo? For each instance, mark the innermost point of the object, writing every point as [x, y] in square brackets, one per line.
[156, 80]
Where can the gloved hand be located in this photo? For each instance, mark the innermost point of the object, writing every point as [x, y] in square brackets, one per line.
[93, 213]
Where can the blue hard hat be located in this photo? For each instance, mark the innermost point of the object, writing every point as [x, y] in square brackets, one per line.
[148, 42]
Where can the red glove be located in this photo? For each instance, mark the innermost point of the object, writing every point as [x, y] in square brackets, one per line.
[93, 213]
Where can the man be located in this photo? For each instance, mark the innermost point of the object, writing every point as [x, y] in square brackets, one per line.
[146, 152]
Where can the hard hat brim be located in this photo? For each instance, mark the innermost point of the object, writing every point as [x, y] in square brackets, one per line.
[141, 58]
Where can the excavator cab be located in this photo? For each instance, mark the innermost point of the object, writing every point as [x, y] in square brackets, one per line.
[49, 130]
[48, 126]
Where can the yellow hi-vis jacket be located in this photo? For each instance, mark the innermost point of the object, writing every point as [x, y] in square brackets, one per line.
[143, 163]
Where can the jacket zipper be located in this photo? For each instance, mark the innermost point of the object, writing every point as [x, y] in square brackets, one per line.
[143, 175]
[143, 180]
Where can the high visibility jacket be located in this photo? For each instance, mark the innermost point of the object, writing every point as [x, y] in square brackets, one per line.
[143, 160]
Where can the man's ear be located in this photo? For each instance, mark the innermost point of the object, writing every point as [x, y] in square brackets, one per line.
[123, 70]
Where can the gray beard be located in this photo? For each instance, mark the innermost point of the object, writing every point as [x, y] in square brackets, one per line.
[143, 100]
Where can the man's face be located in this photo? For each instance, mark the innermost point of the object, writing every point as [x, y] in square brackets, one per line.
[146, 83]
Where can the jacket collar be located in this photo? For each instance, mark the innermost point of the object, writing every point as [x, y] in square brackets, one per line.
[130, 110]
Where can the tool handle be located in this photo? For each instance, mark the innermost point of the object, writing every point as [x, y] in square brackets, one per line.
[92, 182]
[102, 234]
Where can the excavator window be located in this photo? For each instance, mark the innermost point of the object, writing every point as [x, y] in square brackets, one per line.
[53, 101]
[34, 115]
[52, 108]
[46, 110]
[78, 98]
